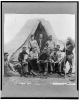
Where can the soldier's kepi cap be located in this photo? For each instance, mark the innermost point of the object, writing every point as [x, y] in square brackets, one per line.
[6, 53]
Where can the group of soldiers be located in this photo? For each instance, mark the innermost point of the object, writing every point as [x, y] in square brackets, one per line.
[41, 57]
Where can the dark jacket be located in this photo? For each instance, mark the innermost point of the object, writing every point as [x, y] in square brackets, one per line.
[54, 57]
[43, 56]
[69, 48]
[21, 56]
[42, 43]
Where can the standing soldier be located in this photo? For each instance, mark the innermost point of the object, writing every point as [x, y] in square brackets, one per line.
[69, 53]
[41, 42]
[50, 44]
[33, 43]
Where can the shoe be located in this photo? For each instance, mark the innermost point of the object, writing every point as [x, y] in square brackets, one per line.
[45, 73]
[50, 73]
[30, 73]
[21, 74]
[33, 73]
[40, 71]
[70, 71]
[26, 75]
[62, 73]
[59, 73]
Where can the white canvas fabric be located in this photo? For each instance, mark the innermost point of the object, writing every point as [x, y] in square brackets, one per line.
[23, 37]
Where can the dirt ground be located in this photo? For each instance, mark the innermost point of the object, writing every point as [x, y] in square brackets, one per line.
[50, 86]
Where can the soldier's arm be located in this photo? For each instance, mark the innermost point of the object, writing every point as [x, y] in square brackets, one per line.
[56, 61]
[36, 42]
[11, 67]
[40, 56]
[63, 50]
[19, 57]
[46, 44]
[38, 49]
[52, 58]
[30, 56]
[73, 44]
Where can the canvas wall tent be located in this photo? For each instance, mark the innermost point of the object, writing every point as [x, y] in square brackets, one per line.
[35, 27]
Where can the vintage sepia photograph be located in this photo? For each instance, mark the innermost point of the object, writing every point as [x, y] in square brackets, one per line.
[39, 54]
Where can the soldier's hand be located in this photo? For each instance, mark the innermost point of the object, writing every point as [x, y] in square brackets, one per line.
[59, 62]
[45, 61]
[52, 61]
[37, 61]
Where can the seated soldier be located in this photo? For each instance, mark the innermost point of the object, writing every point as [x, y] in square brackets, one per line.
[8, 69]
[43, 59]
[33, 56]
[23, 61]
[55, 60]
[60, 59]
[50, 61]
[62, 64]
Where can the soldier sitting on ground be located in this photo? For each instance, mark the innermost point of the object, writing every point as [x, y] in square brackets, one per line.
[8, 68]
